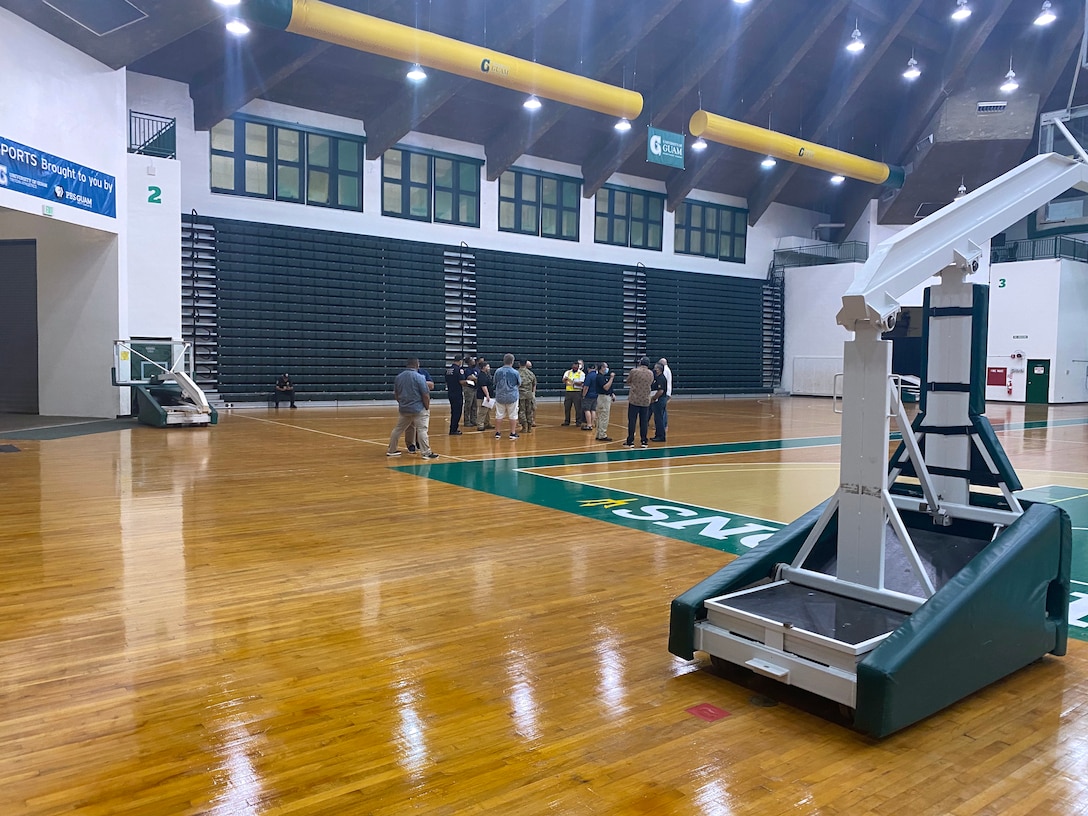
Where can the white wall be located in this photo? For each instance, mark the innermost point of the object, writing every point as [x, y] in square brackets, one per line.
[77, 314]
[73, 107]
[61, 101]
[1069, 370]
[813, 347]
[1023, 321]
[166, 98]
[153, 303]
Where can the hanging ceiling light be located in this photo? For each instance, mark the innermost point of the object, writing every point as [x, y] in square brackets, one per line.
[622, 125]
[913, 71]
[416, 73]
[962, 12]
[237, 28]
[962, 191]
[1010, 80]
[531, 103]
[699, 145]
[1046, 16]
[838, 179]
[856, 44]
[228, 2]
[768, 163]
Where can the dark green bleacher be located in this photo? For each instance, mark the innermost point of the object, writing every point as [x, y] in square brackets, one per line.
[709, 328]
[550, 310]
[339, 312]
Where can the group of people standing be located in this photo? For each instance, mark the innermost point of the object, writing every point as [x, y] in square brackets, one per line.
[475, 395]
[648, 391]
[590, 395]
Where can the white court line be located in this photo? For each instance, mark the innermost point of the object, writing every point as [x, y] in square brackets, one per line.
[47, 427]
[640, 473]
[342, 436]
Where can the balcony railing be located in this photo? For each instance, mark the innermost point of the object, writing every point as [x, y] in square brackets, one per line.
[1034, 249]
[152, 135]
[820, 254]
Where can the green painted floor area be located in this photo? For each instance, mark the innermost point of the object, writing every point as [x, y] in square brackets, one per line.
[708, 527]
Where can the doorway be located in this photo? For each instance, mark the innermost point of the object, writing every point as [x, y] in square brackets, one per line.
[1038, 389]
[19, 326]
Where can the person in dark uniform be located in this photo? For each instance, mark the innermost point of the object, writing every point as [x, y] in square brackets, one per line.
[284, 390]
[456, 381]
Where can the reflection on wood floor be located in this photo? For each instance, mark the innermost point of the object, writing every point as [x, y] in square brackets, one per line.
[266, 617]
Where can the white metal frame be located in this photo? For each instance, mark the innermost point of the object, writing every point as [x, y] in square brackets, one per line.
[201, 410]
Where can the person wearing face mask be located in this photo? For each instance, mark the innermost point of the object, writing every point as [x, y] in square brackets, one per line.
[605, 398]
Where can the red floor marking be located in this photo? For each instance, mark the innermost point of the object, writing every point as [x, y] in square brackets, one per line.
[708, 712]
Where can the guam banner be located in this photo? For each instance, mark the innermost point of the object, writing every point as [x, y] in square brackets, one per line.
[27, 170]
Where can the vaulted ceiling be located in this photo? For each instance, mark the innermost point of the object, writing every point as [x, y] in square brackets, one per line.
[776, 63]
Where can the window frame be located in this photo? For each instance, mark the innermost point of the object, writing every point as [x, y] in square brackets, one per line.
[631, 198]
[683, 230]
[456, 190]
[519, 202]
[240, 156]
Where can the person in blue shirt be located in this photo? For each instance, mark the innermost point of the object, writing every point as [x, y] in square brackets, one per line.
[507, 383]
[414, 406]
[589, 400]
[410, 431]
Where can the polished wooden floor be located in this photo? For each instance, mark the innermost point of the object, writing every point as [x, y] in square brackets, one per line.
[267, 617]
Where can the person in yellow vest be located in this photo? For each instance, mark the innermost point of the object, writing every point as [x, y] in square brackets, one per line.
[572, 392]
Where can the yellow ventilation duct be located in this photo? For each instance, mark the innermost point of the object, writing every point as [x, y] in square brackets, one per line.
[760, 140]
[329, 23]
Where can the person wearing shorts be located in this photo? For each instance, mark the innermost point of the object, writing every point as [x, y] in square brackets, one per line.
[507, 382]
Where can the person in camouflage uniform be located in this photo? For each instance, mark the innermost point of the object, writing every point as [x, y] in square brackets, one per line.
[527, 397]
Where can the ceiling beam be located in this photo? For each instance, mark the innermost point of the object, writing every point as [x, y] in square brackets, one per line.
[411, 109]
[769, 75]
[680, 78]
[780, 176]
[219, 91]
[627, 29]
[918, 31]
[276, 59]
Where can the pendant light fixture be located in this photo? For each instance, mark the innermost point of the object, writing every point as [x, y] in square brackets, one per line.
[623, 125]
[838, 179]
[699, 145]
[768, 162]
[856, 44]
[1010, 84]
[913, 71]
[1046, 16]
[416, 73]
[532, 103]
[962, 12]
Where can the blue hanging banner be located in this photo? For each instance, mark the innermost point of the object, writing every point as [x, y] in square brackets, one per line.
[42, 175]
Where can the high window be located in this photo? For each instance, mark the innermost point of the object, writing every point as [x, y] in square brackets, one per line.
[629, 218]
[431, 187]
[711, 230]
[263, 159]
[539, 204]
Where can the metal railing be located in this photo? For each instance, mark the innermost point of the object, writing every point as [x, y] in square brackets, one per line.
[820, 254]
[1034, 249]
[152, 135]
